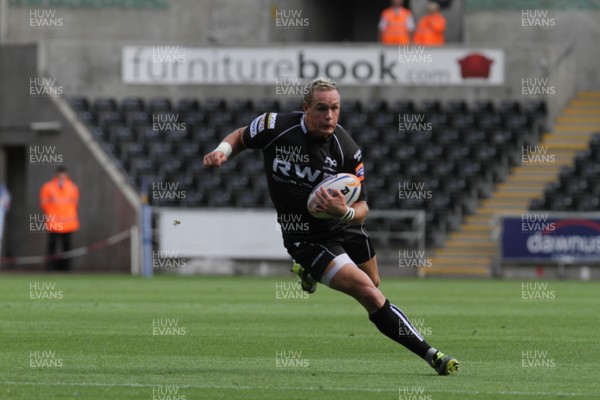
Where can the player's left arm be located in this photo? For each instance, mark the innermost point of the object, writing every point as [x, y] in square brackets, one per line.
[335, 205]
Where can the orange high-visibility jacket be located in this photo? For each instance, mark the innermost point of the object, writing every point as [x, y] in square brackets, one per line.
[430, 30]
[394, 26]
[60, 205]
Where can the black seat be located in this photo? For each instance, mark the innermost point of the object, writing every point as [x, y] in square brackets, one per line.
[159, 104]
[266, 105]
[187, 104]
[105, 104]
[456, 106]
[430, 106]
[120, 134]
[132, 104]
[109, 118]
[402, 106]
[482, 106]
[79, 103]
[238, 105]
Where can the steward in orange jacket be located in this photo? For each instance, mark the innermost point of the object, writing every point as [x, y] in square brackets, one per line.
[59, 199]
[431, 28]
[396, 24]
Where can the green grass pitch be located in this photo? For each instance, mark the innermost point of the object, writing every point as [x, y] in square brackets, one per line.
[186, 338]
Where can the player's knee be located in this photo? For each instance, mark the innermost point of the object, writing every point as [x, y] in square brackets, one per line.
[370, 297]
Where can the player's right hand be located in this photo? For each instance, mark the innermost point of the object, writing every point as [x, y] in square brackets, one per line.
[214, 159]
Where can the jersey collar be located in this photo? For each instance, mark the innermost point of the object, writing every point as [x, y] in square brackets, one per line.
[303, 125]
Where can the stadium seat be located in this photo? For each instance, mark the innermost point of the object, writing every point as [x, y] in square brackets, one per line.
[291, 105]
[120, 134]
[375, 106]
[132, 104]
[147, 135]
[430, 106]
[238, 105]
[480, 106]
[159, 104]
[136, 118]
[402, 106]
[158, 151]
[79, 103]
[213, 104]
[456, 106]
[132, 150]
[105, 104]
[536, 107]
[349, 106]
[87, 117]
[266, 105]
[509, 106]
[186, 105]
[109, 118]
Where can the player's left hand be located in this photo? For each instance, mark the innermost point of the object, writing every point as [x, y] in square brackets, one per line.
[332, 204]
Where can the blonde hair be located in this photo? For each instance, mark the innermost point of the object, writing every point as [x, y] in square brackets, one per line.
[319, 84]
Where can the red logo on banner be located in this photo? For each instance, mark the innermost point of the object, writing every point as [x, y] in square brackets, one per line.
[475, 66]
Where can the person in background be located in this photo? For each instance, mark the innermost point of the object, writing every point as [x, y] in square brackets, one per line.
[396, 24]
[430, 29]
[59, 199]
[4, 207]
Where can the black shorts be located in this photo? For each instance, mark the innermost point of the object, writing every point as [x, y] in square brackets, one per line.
[316, 256]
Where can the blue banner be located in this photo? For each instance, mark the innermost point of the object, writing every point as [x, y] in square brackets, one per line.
[537, 237]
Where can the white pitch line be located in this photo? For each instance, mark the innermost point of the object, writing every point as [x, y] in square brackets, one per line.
[312, 388]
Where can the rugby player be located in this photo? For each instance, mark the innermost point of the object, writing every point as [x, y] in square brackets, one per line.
[300, 149]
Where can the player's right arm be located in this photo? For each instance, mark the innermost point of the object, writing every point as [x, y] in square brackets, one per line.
[260, 133]
[230, 146]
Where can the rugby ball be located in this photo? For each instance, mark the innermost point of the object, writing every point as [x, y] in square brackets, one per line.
[348, 184]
